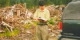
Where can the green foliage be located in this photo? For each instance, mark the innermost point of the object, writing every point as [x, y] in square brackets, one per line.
[32, 3]
[7, 33]
[4, 3]
[14, 33]
[58, 2]
[53, 20]
[35, 23]
[27, 26]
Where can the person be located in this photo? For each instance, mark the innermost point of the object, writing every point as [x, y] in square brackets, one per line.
[42, 15]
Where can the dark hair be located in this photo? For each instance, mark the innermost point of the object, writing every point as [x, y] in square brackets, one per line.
[41, 3]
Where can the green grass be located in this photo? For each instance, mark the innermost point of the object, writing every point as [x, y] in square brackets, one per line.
[7, 33]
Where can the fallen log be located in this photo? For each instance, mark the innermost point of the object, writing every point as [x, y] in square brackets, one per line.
[9, 28]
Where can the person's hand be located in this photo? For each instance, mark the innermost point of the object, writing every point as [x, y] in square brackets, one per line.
[45, 21]
[39, 19]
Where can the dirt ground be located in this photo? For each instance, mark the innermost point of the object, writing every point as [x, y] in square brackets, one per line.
[53, 38]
